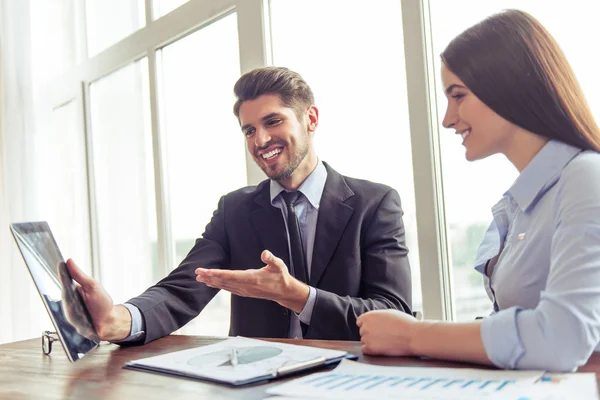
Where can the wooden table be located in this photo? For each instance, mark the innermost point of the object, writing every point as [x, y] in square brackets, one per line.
[25, 373]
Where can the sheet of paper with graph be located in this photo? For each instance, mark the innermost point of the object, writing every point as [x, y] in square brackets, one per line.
[238, 361]
[353, 380]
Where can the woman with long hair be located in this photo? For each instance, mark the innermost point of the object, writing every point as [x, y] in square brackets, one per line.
[511, 91]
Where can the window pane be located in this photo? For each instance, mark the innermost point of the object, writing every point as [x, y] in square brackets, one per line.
[63, 184]
[358, 77]
[54, 40]
[471, 190]
[109, 21]
[163, 7]
[198, 73]
[124, 183]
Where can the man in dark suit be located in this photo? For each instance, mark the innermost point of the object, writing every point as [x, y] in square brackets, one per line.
[304, 253]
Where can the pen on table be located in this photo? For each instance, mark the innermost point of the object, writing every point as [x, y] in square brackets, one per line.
[288, 369]
[233, 357]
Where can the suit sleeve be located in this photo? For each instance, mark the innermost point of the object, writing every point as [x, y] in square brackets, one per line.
[385, 281]
[178, 298]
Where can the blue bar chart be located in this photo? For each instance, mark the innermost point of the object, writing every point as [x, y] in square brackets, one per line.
[352, 380]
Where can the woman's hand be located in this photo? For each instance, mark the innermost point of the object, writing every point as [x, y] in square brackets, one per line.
[387, 332]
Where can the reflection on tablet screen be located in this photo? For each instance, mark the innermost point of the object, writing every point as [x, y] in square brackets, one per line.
[56, 287]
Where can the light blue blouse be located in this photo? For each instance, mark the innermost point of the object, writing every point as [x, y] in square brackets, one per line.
[540, 259]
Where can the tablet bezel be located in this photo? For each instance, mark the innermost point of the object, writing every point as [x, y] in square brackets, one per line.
[43, 227]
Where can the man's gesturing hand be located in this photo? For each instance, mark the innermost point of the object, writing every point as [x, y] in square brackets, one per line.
[271, 282]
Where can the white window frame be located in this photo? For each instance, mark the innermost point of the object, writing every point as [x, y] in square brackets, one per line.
[434, 252]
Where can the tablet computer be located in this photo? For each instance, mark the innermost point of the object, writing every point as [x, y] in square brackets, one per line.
[53, 282]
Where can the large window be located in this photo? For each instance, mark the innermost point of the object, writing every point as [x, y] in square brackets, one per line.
[359, 81]
[55, 39]
[108, 21]
[471, 189]
[43, 152]
[124, 181]
[205, 147]
[63, 184]
[162, 7]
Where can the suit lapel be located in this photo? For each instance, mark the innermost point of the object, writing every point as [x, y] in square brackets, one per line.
[333, 218]
[268, 224]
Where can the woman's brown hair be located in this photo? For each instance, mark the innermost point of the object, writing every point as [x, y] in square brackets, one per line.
[513, 65]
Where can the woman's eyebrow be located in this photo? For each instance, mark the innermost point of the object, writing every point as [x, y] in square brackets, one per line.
[452, 87]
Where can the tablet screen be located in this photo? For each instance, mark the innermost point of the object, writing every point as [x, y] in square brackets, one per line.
[56, 288]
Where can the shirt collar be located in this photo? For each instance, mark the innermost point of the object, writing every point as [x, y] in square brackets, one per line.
[312, 187]
[541, 173]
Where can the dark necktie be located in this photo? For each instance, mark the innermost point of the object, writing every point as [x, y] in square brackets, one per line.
[296, 247]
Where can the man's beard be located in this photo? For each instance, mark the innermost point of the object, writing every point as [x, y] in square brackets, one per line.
[294, 161]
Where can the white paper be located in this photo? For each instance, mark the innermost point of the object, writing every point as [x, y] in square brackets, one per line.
[563, 387]
[353, 380]
[575, 386]
[255, 358]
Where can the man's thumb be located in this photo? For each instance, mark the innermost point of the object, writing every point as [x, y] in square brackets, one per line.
[77, 274]
[268, 258]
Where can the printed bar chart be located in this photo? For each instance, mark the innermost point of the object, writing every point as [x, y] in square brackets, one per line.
[352, 380]
[349, 382]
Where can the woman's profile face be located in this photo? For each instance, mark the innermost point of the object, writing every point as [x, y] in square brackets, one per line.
[481, 130]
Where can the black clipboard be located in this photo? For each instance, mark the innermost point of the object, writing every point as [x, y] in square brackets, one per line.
[282, 372]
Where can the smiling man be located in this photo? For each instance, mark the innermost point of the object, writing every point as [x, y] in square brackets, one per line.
[304, 253]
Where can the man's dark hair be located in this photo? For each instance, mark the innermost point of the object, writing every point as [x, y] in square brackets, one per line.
[293, 91]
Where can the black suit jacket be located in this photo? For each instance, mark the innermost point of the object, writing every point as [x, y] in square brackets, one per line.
[359, 262]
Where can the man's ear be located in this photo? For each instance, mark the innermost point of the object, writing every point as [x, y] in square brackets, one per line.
[312, 115]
